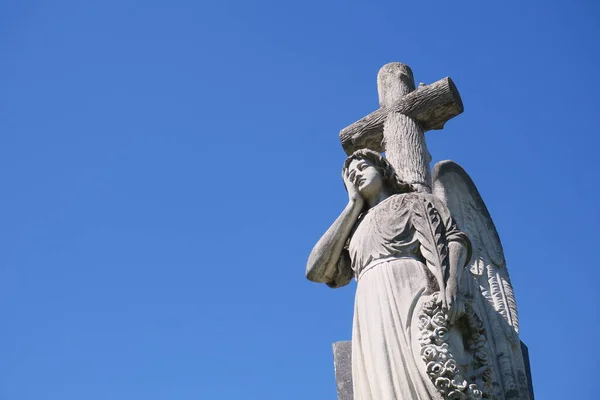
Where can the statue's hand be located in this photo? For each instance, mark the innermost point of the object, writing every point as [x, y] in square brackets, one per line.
[454, 302]
[354, 196]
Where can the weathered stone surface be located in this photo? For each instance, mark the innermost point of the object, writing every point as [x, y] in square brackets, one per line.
[430, 105]
[342, 361]
[397, 126]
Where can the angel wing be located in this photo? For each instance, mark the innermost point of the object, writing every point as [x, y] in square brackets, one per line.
[488, 284]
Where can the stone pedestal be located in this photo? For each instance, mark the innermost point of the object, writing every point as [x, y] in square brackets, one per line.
[342, 361]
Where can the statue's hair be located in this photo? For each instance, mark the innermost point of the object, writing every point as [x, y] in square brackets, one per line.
[390, 179]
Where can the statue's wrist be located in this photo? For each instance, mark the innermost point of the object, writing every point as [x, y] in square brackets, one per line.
[451, 285]
[355, 202]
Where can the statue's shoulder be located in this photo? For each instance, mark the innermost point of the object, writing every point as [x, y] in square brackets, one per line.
[408, 200]
[396, 199]
[401, 201]
[414, 196]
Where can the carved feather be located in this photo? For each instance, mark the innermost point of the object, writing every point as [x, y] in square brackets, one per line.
[429, 231]
[511, 303]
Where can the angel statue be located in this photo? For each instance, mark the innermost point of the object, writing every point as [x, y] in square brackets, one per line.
[431, 320]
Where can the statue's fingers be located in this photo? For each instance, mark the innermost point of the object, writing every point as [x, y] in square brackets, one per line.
[444, 302]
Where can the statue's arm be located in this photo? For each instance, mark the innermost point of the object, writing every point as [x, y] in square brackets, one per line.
[344, 271]
[457, 258]
[459, 255]
[329, 262]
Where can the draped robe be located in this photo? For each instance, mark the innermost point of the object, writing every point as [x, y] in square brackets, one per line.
[398, 254]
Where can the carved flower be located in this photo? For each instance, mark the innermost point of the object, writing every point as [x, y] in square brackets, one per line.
[430, 307]
[443, 385]
[487, 375]
[474, 392]
[439, 319]
[433, 305]
[435, 369]
[443, 351]
[475, 345]
[429, 353]
[424, 321]
[459, 382]
[451, 367]
[441, 365]
[456, 395]
[477, 337]
[426, 338]
[440, 334]
[482, 356]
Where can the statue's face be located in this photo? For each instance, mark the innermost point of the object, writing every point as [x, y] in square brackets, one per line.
[366, 178]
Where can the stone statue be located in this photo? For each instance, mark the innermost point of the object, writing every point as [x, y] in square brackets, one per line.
[434, 315]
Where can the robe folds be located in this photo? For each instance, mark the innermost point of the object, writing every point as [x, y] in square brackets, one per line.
[399, 256]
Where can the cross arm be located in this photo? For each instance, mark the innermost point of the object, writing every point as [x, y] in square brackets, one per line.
[430, 105]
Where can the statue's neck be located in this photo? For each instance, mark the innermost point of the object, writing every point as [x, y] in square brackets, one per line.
[372, 202]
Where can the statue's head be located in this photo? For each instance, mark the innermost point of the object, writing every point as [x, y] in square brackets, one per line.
[370, 172]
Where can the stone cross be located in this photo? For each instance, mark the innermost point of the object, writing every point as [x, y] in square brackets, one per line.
[398, 126]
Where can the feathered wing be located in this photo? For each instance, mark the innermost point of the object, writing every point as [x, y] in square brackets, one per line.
[488, 283]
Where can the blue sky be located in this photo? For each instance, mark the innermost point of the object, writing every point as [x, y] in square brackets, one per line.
[166, 168]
